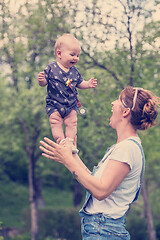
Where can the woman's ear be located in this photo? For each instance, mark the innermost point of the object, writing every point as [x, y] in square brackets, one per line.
[126, 112]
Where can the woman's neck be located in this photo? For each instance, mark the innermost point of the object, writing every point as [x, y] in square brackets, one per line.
[125, 133]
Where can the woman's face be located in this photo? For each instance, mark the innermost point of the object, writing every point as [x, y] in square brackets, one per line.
[117, 110]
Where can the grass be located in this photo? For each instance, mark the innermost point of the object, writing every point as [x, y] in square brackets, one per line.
[14, 198]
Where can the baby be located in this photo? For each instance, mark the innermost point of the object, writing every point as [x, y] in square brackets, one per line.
[62, 79]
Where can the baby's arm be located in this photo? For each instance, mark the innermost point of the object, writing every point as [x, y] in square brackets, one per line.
[41, 79]
[92, 83]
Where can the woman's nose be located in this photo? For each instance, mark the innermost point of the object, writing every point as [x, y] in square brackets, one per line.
[112, 103]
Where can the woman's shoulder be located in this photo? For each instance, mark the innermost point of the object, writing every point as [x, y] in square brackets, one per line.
[128, 151]
[130, 142]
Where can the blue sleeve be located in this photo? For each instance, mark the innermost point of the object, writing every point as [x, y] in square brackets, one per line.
[80, 79]
[47, 73]
[78, 76]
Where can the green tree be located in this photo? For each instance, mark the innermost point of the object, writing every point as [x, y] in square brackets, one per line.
[23, 119]
[27, 47]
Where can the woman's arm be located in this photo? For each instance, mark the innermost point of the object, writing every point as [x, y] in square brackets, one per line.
[81, 164]
[113, 174]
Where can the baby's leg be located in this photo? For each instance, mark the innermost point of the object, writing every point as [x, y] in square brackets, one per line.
[70, 122]
[56, 122]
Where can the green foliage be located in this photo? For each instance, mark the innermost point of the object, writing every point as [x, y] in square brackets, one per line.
[137, 227]
[58, 223]
[22, 237]
[1, 238]
[57, 198]
[26, 49]
[158, 231]
[14, 199]
[93, 129]
[152, 171]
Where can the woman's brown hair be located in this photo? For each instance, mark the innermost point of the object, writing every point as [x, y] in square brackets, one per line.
[143, 104]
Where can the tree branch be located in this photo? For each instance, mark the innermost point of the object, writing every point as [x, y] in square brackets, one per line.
[113, 74]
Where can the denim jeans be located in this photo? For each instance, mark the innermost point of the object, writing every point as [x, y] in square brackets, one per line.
[99, 227]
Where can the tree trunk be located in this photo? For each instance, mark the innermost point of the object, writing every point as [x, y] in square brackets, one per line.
[30, 149]
[148, 214]
[40, 199]
[33, 200]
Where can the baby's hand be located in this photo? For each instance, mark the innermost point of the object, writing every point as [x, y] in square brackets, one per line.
[92, 83]
[41, 76]
[41, 79]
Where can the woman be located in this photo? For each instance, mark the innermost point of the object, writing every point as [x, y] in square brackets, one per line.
[115, 183]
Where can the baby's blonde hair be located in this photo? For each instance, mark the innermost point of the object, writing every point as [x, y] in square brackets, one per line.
[62, 40]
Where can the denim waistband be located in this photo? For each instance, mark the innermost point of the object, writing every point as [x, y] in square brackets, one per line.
[103, 218]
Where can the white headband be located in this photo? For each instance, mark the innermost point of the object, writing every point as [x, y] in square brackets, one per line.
[135, 97]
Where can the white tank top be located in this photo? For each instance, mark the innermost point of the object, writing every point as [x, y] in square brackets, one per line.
[117, 203]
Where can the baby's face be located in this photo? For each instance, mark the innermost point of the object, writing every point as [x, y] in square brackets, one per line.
[70, 52]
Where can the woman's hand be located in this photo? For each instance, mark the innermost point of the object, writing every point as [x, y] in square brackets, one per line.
[61, 153]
